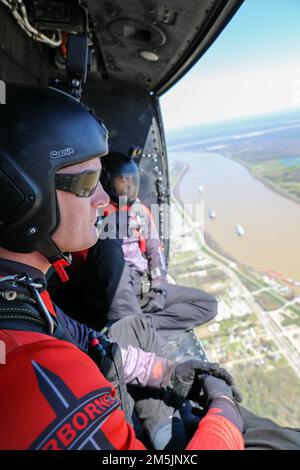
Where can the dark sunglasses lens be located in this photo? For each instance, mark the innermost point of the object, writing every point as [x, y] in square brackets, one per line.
[82, 184]
[88, 184]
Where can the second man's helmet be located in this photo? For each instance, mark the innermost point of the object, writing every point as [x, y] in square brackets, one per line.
[120, 177]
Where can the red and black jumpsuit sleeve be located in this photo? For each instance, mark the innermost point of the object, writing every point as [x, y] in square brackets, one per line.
[220, 429]
[54, 397]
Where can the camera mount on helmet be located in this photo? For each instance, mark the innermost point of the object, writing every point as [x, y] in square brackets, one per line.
[77, 63]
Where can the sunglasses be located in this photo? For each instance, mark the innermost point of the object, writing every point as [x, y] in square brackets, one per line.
[82, 184]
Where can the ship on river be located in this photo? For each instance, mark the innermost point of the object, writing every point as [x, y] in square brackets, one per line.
[239, 230]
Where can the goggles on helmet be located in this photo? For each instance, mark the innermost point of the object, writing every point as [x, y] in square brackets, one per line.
[82, 184]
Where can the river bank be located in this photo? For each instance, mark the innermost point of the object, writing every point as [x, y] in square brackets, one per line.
[269, 185]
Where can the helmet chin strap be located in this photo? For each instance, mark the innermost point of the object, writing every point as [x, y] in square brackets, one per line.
[59, 266]
[55, 256]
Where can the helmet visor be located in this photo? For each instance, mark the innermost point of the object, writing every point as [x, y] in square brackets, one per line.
[126, 186]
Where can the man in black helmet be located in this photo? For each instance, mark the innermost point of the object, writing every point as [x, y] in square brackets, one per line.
[53, 395]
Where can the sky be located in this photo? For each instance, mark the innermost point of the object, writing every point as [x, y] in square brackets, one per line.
[252, 68]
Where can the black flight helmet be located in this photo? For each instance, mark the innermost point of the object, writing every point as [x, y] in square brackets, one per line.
[120, 176]
[41, 131]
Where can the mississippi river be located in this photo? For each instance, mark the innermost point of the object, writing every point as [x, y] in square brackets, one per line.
[271, 222]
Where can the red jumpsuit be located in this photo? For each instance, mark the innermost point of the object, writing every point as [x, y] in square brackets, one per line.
[53, 396]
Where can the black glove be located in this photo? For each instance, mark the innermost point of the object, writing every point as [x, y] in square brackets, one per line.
[214, 388]
[187, 379]
[154, 301]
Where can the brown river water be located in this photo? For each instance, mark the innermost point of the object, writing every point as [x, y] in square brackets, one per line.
[271, 222]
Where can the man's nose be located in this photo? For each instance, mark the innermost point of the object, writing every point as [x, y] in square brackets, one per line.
[100, 197]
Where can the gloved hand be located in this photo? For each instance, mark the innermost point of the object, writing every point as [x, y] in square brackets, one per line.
[154, 301]
[214, 387]
[219, 395]
[187, 379]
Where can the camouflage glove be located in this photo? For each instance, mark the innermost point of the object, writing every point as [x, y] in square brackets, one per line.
[187, 379]
[154, 301]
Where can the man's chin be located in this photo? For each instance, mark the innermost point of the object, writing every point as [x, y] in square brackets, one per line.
[89, 243]
[98, 231]
[95, 236]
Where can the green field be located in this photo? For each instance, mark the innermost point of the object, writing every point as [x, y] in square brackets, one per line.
[284, 177]
[273, 394]
[191, 281]
[268, 301]
[250, 284]
[292, 321]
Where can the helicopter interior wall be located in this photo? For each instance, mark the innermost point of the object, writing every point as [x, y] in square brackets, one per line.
[21, 59]
[129, 111]
[153, 42]
[124, 108]
[146, 43]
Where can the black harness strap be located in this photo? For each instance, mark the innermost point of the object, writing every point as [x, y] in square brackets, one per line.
[25, 316]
